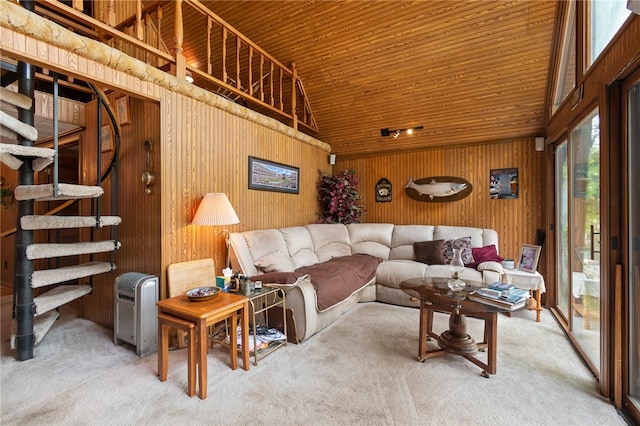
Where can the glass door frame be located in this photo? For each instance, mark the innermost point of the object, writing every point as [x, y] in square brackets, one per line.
[603, 374]
[628, 406]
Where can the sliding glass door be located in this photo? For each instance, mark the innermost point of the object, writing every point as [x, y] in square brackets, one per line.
[578, 237]
[585, 236]
[562, 221]
[633, 278]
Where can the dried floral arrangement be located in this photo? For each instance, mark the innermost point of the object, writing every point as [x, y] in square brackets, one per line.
[340, 198]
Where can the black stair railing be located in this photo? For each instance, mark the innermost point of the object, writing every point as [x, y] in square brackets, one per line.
[23, 302]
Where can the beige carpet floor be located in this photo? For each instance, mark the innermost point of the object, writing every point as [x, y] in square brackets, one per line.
[362, 370]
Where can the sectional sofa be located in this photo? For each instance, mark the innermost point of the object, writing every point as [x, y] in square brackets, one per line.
[387, 253]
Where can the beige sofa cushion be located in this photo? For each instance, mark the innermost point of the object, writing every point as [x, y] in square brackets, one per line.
[330, 240]
[300, 245]
[371, 238]
[403, 238]
[275, 261]
[393, 272]
[268, 250]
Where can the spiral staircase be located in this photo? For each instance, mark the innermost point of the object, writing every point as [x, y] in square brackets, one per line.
[34, 309]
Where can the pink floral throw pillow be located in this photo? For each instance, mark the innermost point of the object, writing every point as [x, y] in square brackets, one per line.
[460, 243]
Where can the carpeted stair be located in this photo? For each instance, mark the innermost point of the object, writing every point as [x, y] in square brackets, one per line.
[14, 155]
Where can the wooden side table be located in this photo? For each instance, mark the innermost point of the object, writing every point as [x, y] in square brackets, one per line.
[203, 314]
[534, 282]
[164, 323]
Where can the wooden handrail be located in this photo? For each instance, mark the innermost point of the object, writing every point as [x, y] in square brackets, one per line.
[262, 81]
[201, 8]
[106, 29]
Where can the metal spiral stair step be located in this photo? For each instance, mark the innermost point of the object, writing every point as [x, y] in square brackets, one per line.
[59, 296]
[46, 277]
[45, 251]
[67, 191]
[33, 222]
[41, 325]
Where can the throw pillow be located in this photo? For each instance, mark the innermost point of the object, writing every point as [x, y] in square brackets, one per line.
[463, 244]
[485, 254]
[429, 252]
[275, 262]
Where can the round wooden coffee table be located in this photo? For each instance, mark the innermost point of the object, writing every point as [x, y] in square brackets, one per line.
[435, 296]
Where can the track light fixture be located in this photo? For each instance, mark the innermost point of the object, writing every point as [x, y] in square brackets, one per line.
[396, 133]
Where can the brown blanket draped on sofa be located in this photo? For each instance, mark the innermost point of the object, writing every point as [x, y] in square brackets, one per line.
[338, 278]
[334, 280]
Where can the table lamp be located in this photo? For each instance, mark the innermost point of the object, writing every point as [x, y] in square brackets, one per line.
[215, 210]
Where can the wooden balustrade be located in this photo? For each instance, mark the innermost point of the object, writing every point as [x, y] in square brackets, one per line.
[234, 66]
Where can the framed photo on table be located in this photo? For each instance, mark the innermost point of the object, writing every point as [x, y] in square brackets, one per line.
[529, 256]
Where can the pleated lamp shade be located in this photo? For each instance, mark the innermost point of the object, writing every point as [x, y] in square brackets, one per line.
[215, 209]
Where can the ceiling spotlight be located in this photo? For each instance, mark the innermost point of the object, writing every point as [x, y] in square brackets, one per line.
[189, 76]
[396, 133]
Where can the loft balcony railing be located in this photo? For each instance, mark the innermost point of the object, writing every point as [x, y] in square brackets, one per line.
[170, 36]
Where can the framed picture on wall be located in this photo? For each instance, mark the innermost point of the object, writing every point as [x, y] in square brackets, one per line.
[271, 176]
[503, 183]
[528, 260]
[122, 107]
[106, 141]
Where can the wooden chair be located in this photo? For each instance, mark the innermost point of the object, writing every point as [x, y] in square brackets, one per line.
[184, 276]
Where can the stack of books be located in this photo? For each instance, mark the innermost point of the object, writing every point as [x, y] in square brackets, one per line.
[502, 295]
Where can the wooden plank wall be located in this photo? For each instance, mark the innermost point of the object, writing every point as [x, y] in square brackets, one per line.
[207, 150]
[139, 232]
[202, 149]
[515, 220]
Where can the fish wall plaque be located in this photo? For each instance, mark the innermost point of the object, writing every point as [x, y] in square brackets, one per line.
[438, 188]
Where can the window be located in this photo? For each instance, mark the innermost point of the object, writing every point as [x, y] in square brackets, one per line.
[605, 19]
[566, 72]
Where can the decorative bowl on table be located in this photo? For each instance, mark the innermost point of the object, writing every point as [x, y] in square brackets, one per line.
[200, 294]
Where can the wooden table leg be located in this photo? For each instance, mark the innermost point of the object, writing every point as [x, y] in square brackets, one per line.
[538, 305]
[491, 336]
[245, 335]
[191, 366]
[490, 344]
[202, 346]
[163, 353]
[422, 341]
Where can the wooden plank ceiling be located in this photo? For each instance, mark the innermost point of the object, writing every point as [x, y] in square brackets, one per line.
[468, 71]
